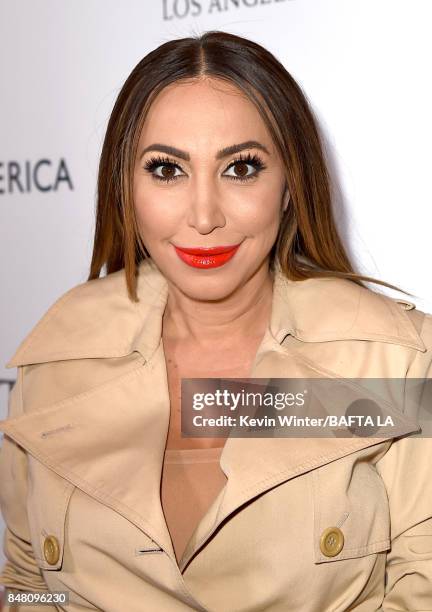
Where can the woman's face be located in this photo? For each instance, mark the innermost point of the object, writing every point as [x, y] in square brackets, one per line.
[204, 195]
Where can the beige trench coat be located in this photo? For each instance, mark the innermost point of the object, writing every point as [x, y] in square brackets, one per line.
[81, 461]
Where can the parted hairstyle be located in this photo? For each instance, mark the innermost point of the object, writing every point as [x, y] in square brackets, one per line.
[308, 243]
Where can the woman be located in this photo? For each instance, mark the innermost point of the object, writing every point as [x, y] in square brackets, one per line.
[212, 145]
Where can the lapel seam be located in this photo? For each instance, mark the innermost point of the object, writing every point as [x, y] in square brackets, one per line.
[406, 335]
[312, 463]
[52, 408]
[287, 352]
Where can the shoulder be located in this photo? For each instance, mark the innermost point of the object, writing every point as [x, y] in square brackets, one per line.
[95, 318]
[329, 308]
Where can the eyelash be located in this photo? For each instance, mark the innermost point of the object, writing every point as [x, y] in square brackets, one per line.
[254, 160]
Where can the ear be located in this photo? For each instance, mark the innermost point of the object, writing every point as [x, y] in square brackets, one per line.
[285, 199]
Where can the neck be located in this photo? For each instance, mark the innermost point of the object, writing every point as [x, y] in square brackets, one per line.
[244, 313]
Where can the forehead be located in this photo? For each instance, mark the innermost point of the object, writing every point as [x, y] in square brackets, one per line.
[207, 111]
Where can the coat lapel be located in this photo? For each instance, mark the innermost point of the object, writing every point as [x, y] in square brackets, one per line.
[110, 441]
[254, 465]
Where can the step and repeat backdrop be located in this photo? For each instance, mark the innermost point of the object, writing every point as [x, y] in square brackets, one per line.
[364, 66]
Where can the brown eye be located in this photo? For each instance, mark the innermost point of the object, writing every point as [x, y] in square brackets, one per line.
[241, 168]
[245, 168]
[162, 169]
[167, 172]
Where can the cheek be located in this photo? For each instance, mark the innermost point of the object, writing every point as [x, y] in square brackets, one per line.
[156, 214]
[258, 212]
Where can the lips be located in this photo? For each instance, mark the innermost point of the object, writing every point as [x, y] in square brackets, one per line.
[206, 257]
[217, 250]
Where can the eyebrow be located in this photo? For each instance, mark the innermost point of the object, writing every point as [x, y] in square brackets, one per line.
[225, 152]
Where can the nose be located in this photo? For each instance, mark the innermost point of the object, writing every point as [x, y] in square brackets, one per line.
[205, 211]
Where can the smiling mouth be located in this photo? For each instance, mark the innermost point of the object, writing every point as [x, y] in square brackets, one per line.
[217, 250]
[206, 257]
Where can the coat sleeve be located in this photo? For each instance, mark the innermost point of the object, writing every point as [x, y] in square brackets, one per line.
[407, 472]
[20, 570]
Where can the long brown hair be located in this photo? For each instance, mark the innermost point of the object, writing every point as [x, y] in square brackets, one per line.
[308, 243]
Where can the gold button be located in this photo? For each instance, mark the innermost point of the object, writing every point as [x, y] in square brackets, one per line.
[331, 541]
[51, 550]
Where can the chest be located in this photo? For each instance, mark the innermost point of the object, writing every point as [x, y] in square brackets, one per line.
[185, 362]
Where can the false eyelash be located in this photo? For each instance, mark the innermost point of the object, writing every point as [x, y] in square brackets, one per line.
[254, 160]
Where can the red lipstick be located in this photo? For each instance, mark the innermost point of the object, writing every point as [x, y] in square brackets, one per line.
[206, 257]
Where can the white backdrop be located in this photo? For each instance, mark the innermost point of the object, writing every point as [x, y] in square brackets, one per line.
[363, 65]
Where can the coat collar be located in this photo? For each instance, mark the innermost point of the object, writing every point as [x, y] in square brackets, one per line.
[97, 319]
[87, 440]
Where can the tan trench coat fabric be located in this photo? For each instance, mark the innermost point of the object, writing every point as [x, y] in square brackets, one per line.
[83, 447]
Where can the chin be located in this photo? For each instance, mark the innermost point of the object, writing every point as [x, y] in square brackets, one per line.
[206, 286]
